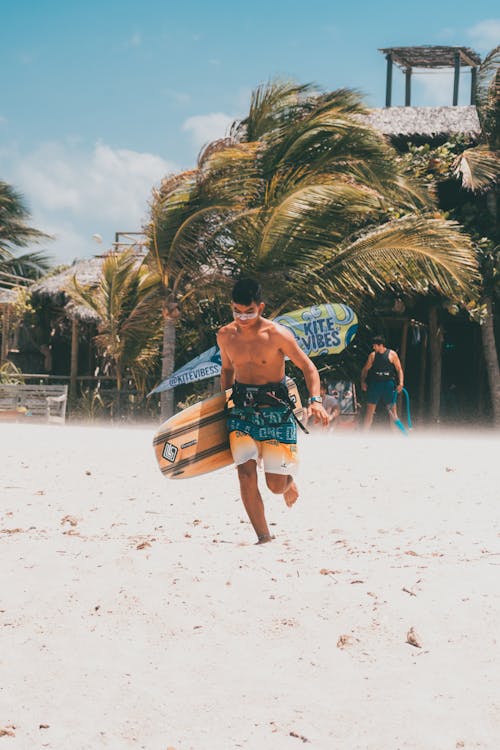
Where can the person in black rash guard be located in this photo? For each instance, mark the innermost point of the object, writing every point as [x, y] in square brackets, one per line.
[384, 374]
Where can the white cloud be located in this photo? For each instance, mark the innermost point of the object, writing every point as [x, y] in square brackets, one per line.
[485, 34]
[107, 183]
[206, 128]
[68, 242]
[74, 192]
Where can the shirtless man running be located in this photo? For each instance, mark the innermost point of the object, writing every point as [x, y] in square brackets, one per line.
[253, 351]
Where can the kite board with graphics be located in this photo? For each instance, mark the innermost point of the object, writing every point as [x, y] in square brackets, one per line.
[321, 329]
[195, 441]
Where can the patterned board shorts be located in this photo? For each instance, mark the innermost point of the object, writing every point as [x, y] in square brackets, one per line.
[264, 437]
[274, 457]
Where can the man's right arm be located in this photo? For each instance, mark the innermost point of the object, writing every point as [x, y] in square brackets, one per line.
[366, 368]
[227, 371]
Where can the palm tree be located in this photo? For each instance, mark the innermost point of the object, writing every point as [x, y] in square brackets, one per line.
[479, 168]
[189, 208]
[15, 233]
[127, 304]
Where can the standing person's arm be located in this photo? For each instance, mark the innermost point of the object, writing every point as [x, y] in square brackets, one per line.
[393, 357]
[365, 370]
[227, 371]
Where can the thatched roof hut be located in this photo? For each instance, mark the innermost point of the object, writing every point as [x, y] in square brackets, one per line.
[428, 122]
[55, 287]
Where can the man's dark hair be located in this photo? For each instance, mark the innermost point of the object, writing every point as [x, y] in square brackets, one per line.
[246, 291]
[378, 340]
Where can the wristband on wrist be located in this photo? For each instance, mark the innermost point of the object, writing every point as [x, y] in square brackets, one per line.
[314, 399]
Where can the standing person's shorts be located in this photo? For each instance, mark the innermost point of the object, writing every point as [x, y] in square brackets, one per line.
[263, 436]
[381, 390]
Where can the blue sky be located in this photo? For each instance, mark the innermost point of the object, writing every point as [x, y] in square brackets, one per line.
[99, 100]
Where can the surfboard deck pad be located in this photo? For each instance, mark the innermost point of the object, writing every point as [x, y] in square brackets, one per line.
[195, 441]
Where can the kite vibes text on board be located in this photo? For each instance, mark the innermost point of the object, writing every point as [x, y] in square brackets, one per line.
[316, 339]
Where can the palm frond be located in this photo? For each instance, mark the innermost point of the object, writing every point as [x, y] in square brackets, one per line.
[14, 215]
[488, 97]
[478, 168]
[272, 105]
[416, 253]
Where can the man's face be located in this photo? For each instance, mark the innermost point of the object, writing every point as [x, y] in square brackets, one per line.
[378, 348]
[247, 315]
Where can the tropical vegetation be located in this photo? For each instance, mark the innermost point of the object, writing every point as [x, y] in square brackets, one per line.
[477, 168]
[16, 233]
[127, 305]
[307, 197]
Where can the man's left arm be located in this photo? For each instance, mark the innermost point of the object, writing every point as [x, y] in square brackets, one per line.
[397, 364]
[291, 349]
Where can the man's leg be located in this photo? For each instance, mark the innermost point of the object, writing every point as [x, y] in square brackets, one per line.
[370, 411]
[283, 485]
[252, 500]
[391, 403]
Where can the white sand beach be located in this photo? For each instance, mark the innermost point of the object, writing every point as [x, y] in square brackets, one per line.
[136, 611]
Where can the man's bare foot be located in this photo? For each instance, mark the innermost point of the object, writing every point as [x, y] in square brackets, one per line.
[265, 538]
[291, 494]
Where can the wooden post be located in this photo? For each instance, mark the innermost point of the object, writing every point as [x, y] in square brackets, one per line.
[388, 87]
[404, 344]
[408, 87]
[422, 374]
[402, 357]
[436, 346]
[74, 360]
[5, 334]
[473, 84]
[456, 79]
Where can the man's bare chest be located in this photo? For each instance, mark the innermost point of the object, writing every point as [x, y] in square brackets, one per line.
[259, 349]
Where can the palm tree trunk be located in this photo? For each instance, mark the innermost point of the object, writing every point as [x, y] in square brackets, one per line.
[491, 357]
[167, 366]
[435, 347]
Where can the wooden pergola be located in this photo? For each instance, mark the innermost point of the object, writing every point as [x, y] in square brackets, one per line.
[408, 58]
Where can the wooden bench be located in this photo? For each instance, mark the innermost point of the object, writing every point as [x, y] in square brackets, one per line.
[47, 402]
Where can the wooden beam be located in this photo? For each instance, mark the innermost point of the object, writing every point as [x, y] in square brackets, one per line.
[404, 343]
[422, 373]
[473, 85]
[74, 360]
[436, 353]
[408, 87]
[456, 79]
[388, 87]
